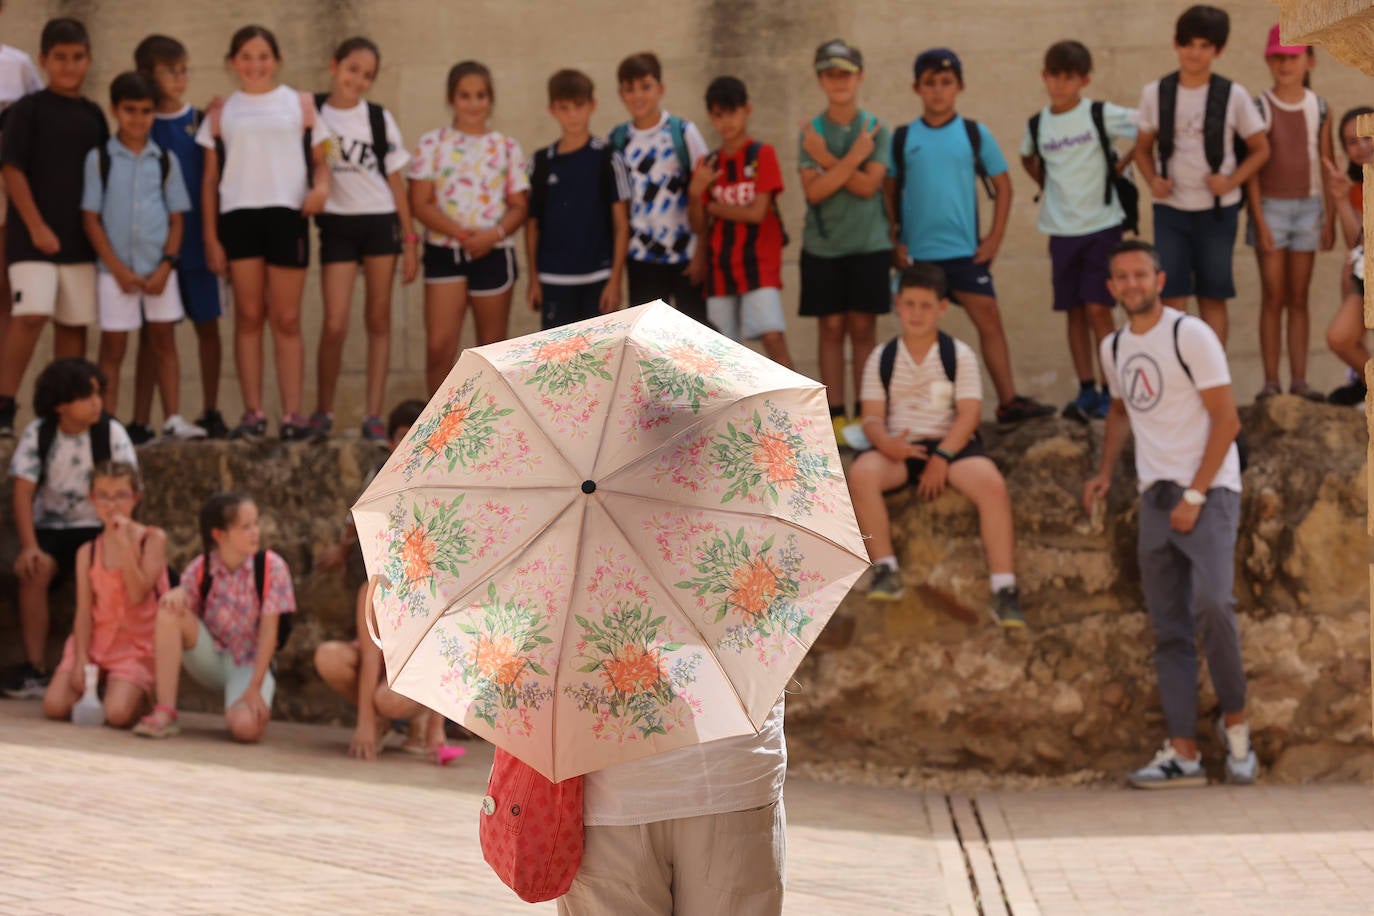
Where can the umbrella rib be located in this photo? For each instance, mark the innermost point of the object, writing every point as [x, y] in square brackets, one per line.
[619, 369]
[514, 555]
[553, 447]
[668, 591]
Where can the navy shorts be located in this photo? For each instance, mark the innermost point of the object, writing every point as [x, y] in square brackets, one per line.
[200, 293]
[492, 273]
[1195, 247]
[564, 304]
[962, 275]
[1078, 264]
[848, 283]
[915, 467]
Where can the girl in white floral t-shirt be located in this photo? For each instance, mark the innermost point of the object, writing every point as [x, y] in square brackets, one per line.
[468, 188]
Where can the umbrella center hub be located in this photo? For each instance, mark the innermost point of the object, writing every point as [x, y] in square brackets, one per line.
[589, 487]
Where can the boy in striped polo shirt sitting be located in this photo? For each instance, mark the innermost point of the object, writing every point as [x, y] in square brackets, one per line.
[922, 401]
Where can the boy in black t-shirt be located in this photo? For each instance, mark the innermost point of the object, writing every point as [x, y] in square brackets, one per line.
[51, 262]
[578, 231]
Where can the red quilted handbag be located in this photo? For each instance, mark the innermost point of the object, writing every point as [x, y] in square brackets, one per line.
[531, 829]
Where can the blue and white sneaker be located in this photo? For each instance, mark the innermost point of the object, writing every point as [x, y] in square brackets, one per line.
[1169, 770]
[1085, 407]
[1242, 766]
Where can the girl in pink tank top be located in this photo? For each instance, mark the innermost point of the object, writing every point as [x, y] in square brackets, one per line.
[119, 577]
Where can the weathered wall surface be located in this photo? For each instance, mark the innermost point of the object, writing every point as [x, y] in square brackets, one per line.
[929, 682]
[769, 45]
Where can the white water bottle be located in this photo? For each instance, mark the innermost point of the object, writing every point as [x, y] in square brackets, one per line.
[89, 710]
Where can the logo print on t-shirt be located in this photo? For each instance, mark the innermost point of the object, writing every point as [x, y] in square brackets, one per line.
[1141, 381]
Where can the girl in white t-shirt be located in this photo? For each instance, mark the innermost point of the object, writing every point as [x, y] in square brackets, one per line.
[366, 220]
[469, 189]
[265, 175]
[1289, 219]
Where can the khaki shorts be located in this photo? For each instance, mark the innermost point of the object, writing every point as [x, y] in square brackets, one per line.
[63, 292]
[713, 865]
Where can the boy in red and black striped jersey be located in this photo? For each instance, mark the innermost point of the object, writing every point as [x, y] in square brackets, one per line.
[733, 208]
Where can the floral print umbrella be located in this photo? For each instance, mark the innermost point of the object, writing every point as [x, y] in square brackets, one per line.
[609, 540]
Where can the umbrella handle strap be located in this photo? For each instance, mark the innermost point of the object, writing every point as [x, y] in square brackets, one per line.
[370, 610]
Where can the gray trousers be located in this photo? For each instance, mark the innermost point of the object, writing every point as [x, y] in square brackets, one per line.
[1187, 580]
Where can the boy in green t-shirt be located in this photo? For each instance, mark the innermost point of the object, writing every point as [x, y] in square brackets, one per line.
[846, 248]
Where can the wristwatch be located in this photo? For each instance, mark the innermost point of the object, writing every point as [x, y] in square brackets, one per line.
[943, 453]
[1194, 497]
[172, 260]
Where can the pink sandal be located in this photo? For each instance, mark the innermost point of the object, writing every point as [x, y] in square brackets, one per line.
[445, 754]
[160, 723]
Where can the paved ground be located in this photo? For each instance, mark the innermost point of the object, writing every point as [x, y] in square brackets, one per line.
[101, 822]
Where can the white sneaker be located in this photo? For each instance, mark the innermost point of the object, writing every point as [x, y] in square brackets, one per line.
[178, 427]
[1242, 766]
[1169, 770]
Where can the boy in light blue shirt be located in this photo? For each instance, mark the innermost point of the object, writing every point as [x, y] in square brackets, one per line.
[132, 204]
[938, 161]
[1069, 149]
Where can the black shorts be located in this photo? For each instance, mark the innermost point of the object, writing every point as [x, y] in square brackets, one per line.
[279, 235]
[350, 238]
[492, 273]
[649, 281]
[849, 283]
[566, 304]
[62, 544]
[915, 467]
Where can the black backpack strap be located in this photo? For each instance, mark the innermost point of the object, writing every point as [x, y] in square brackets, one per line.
[206, 580]
[260, 577]
[948, 358]
[1214, 127]
[887, 362]
[100, 440]
[898, 172]
[47, 434]
[321, 98]
[1033, 125]
[1116, 348]
[1108, 152]
[1179, 353]
[975, 140]
[376, 120]
[1168, 107]
[539, 181]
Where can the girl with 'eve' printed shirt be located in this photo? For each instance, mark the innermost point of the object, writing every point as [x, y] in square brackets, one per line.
[469, 189]
[261, 185]
[366, 219]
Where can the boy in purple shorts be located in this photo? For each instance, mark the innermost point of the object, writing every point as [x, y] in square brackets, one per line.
[1068, 148]
[938, 160]
[1194, 117]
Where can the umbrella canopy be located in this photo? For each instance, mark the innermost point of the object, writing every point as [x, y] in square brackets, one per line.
[609, 540]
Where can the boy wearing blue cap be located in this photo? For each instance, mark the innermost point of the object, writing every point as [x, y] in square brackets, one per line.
[933, 197]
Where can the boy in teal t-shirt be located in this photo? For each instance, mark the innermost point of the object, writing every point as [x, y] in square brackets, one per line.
[846, 246]
[938, 160]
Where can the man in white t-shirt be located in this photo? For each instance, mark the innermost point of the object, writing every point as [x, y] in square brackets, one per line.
[699, 831]
[1171, 386]
[1197, 195]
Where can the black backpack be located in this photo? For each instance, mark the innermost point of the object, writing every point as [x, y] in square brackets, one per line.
[284, 621]
[887, 360]
[376, 121]
[1126, 191]
[1213, 127]
[164, 163]
[99, 442]
[975, 141]
[1242, 446]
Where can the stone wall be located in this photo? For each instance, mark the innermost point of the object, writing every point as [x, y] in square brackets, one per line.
[767, 44]
[929, 683]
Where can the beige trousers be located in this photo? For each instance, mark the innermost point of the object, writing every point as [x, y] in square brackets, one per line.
[718, 865]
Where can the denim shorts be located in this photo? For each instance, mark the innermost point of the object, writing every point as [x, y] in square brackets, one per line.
[747, 316]
[1195, 248]
[1296, 224]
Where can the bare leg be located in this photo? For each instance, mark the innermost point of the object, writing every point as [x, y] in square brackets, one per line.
[1345, 334]
[68, 341]
[249, 277]
[1273, 289]
[112, 347]
[1080, 343]
[378, 274]
[33, 611]
[336, 285]
[872, 475]
[6, 294]
[992, 340]
[1213, 311]
[211, 353]
[285, 285]
[1299, 324]
[177, 631]
[336, 662]
[981, 482]
[775, 345]
[60, 697]
[830, 353]
[124, 703]
[145, 380]
[21, 337]
[245, 726]
[161, 337]
[1100, 318]
[862, 330]
[445, 307]
[491, 316]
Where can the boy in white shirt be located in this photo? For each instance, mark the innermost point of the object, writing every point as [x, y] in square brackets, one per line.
[1068, 148]
[1171, 387]
[922, 401]
[1196, 116]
